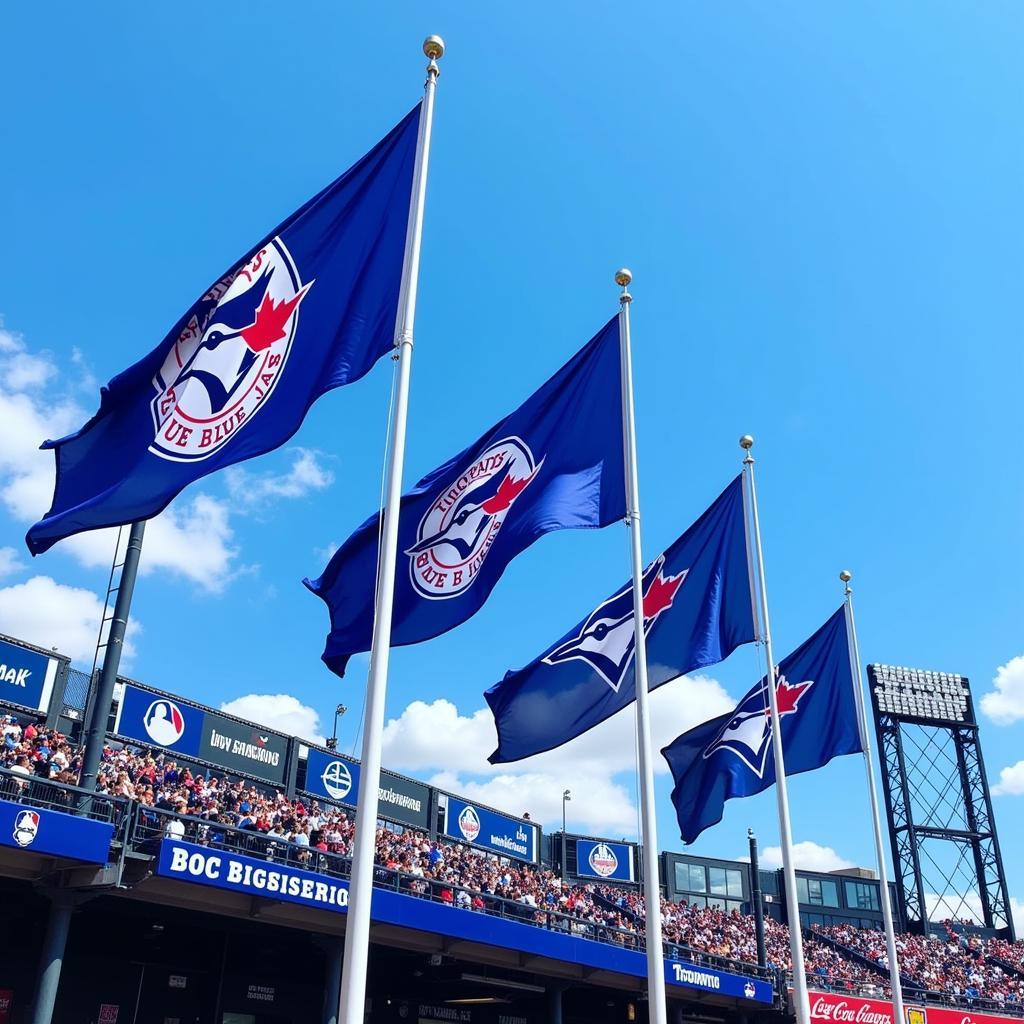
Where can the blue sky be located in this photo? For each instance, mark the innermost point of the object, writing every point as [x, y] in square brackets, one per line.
[820, 204]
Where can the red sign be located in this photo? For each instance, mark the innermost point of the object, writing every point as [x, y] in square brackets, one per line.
[6, 1001]
[832, 1008]
[108, 1013]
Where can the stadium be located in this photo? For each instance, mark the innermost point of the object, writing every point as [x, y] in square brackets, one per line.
[212, 886]
[822, 204]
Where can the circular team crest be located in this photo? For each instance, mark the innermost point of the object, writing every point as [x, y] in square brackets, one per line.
[26, 828]
[602, 860]
[228, 358]
[457, 532]
[337, 780]
[469, 824]
[164, 723]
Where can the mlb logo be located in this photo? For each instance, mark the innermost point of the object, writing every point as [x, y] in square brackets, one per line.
[469, 824]
[164, 722]
[26, 828]
[749, 991]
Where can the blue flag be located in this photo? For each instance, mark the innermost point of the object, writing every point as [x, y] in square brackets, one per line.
[731, 756]
[697, 610]
[556, 463]
[308, 309]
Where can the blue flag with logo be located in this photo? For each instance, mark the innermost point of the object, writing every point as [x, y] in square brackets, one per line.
[308, 309]
[556, 463]
[697, 610]
[731, 756]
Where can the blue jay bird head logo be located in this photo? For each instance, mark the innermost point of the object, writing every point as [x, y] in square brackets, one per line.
[606, 640]
[227, 359]
[458, 530]
[748, 732]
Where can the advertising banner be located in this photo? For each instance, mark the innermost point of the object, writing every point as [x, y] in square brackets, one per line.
[38, 830]
[332, 776]
[223, 869]
[26, 677]
[154, 719]
[601, 859]
[499, 833]
[722, 983]
[833, 1008]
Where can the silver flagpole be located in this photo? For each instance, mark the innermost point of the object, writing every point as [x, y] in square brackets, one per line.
[649, 837]
[876, 821]
[803, 1006]
[352, 1003]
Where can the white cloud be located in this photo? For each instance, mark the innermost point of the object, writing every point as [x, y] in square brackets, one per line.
[51, 614]
[1017, 912]
[254, 490]
[278, 711]
[808, 856]
[1011, 781]
[1005, 704]
[10, 563]
[193, 538]
[325, 554]
[436, 738]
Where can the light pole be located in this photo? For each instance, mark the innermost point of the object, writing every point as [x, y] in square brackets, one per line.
[566, 797]
[332, 743]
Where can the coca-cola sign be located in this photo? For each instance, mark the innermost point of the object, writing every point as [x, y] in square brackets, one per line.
[831, 1008]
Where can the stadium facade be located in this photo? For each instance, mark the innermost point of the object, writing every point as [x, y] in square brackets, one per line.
[126, 912]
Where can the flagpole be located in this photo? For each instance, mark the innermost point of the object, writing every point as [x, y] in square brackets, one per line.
[649, 831]
[803, 1006]
[876, 820]
[352, 1000]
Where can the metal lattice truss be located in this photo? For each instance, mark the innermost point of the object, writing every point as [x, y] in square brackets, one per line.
[944, 843]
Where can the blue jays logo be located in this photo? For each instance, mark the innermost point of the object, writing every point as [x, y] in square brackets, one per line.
[602, 860]
[607, 639]
[748, 733]
[469, 824]
[26, 828]
[337, 780]
[457, 532]
[228, 358]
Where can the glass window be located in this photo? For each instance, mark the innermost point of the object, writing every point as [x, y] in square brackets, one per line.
[819, 892]
[801, 890]
[681, 877]
[734, 882]
[862, 896]
[698, 883]
[715, 902]
[731, 905]
[829, 892]
[717, 883]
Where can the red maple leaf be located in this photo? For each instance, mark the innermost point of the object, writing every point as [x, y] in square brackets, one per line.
[789, 696]
[507, 492]
[270, 320]
[661, 593]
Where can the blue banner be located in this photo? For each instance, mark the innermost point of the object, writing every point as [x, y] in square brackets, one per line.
[26, 677]
[156, 720]
[500, 833]
[732, 756]
[601, 859]
[234, 872]
[553, 464]
[223, 869]
[54, 833]
[721, 983]
[309, 308]
[333, 777]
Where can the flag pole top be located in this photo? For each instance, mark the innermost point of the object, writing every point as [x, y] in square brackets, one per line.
[623, 277]
[845, 575]
[746, 443]
[433, 47]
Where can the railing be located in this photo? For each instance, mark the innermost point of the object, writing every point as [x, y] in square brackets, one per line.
[35, 791]
[152, 825]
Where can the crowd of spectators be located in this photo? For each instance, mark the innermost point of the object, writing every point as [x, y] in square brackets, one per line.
[304, 832]
[955, 964]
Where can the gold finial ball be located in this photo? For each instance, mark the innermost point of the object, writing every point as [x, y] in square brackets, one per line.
[746, 442]
[433, 47]
[846, 575]
[623, 276]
